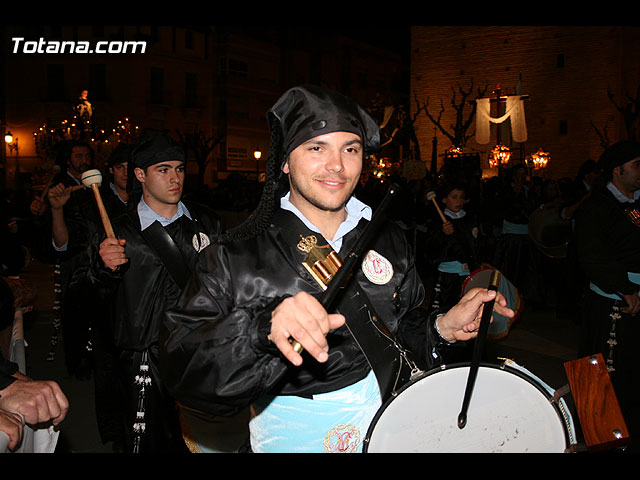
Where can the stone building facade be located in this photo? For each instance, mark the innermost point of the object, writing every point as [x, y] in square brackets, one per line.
[567, 73]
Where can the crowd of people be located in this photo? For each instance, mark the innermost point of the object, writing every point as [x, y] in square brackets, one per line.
[207, 337]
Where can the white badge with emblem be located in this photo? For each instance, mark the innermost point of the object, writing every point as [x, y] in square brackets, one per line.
[202, 243]
[377, 268]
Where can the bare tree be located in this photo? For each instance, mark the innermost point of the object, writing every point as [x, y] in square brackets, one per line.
[201, 146]
[457, 132]
[603, 135]
[630, 112]
[630, 116]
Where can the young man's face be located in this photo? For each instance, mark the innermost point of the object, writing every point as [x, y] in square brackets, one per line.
[119, 172]
[454, 201]
[324, 171]
[80, 160]
[162, 183]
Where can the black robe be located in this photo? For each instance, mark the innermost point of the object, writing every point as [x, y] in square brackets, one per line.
[608, 247]
[463, 245]
[137, 296]
[217, 358]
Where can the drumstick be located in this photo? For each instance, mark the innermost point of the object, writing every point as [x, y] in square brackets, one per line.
[487, 311]
[93, 179]
[432, 196]
[56, 169]
[77, 187]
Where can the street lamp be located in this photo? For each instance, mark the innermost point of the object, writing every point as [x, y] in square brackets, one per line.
[257, 154]
[13, 145]
[540, 159]
[501, 154]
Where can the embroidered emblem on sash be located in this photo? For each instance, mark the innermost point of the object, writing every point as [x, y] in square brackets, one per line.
[377, 268]
[202, 243]
[343, 438]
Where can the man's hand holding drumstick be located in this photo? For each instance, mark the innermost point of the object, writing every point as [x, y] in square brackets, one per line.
[111, 249]
[304, 319]
[112, 252]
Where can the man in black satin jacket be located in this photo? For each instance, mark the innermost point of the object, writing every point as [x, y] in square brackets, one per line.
[140, 274]
[231, 339]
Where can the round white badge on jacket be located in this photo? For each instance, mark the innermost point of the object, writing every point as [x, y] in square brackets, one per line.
[377, 268]
[202, 243]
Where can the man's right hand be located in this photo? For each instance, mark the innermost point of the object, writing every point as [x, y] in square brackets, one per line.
[112, 252]
[303, 319]
[37, 401]
[58, 196]
[633, 303]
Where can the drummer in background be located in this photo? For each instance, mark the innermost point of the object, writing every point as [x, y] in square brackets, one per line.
[580, 189]
[571, 279]
[228, 338]
[608, 247]
[515, 255]
[453, 246]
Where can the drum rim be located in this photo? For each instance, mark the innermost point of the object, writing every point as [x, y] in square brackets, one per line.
[487, 364]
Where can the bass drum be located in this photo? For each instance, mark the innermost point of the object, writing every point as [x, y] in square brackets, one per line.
[510, 411]
[549, 231]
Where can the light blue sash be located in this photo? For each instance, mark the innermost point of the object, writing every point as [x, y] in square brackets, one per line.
[461, 269]
[633, 277]
[334, 422]
[515, 228]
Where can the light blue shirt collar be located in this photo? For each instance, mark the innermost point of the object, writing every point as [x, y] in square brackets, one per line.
[115, 191]
[147, 215]
[356, 210]
[621, 197]
[452, 214]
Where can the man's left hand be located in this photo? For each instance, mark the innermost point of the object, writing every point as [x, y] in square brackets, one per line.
[462, 322]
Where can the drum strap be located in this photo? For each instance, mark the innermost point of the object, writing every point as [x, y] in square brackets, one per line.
[168, 252]
[378, 345]
[388, 360]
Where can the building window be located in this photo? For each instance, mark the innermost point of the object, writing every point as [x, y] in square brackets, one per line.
[55, 82]
[560, 61]
[238, 68]
[191, 90]
[156, 90]
[98, 82]
[237, 153]
[564, 127]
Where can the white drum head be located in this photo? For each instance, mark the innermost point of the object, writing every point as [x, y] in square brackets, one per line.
[507, 413]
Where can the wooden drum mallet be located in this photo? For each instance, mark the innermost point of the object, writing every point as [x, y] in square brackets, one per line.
[93, 179]
[55, 171]
[432, 196]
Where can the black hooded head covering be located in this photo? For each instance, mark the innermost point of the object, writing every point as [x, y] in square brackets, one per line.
[303, 113]
[308, 111]
[120, 154]
[618, 154]
[153, 147]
